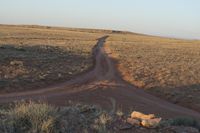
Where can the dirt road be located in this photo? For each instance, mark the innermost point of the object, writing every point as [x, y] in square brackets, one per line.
[99, 86]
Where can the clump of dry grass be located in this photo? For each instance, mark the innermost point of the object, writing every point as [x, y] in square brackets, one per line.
[28, 117]
[43, 118]
[168, 68]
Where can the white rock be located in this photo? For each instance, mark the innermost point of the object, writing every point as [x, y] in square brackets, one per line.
[133, 122]
[151, 123]
[141, 116]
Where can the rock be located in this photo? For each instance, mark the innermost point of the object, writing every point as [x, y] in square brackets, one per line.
[59, 75]
[151, 123]
[70, 73]
[41, 77]
[133, 122]
[6, 76]
[16, 63]
[141, 116]
[190, 96]
[126, 127]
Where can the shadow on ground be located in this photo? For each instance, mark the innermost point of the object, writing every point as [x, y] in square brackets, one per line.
[30, 67]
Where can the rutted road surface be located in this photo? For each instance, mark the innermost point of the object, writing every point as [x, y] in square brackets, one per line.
[100, 85]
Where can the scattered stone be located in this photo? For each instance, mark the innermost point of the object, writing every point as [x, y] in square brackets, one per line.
[16, 63]
[41, 77]
[6, 76]
[133, 122]
[70, 73]
[126, 127]
[59, 75]
[48, 72]
[151, 123]
[143, 120]
[190, 96]
[141, 116]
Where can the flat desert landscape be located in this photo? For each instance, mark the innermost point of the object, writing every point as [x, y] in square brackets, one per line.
[167, 68]
[93, 80]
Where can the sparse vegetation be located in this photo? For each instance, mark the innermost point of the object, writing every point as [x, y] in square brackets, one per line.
[34, 57]
[168, 68]
[40, 117]
[187, 122]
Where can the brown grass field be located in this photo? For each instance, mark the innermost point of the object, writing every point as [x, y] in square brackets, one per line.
[168, 68]
[33, 56]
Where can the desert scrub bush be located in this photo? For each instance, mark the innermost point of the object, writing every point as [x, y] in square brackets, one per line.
[101, 123]
[184, 121]
[34, 117]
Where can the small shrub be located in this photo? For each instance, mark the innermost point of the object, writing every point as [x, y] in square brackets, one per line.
[28, 117]
[100, 123]
[119, 113]
[189, 122]
[34, 117]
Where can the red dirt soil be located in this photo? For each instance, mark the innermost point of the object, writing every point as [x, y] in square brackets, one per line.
[100, 85]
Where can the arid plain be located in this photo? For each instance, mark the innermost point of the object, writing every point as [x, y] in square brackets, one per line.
[110, 69]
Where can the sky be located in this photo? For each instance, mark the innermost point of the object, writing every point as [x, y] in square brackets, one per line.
[170, 18]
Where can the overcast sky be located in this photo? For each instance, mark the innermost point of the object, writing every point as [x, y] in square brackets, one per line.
[171, 18]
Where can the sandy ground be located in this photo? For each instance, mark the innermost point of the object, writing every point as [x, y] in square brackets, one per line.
[99, 86]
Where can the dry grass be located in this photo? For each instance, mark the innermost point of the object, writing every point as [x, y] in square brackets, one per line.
[35, 57]
[168, 68]
[43, 118]
[38, 117]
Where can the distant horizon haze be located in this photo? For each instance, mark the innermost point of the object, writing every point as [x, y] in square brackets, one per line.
[60, 26]
[171, 18]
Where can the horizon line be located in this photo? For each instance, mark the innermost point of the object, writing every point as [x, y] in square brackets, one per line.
[103, 29]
